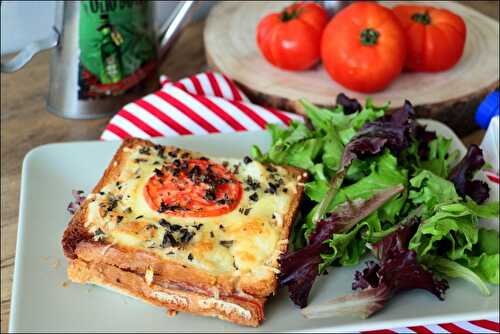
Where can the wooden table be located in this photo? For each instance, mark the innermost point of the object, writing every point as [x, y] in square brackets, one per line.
[26, 124]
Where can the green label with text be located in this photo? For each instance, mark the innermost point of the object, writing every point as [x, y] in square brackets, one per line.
[117, 46]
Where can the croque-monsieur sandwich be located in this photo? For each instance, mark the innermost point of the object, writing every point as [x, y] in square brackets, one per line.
[186, 232]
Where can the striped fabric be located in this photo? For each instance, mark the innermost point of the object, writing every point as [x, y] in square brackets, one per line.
[201, 104]
[211, 103]
[492, 176]
[463, 327]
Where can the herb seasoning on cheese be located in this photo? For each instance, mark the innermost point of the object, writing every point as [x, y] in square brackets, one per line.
[210, 212]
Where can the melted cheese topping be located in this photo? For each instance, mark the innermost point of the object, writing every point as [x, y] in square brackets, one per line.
[241, 241]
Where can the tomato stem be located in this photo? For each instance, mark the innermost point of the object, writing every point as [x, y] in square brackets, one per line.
[423, 18]
[369, 36]
[289, 15]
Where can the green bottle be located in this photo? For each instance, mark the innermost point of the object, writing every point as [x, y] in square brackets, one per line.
[117, 48]
[111, 70]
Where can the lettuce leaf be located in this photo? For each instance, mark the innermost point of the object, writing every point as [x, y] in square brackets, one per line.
[454, 226]
[332, 150]
[486, 264]
[383, 172]
[454, 269]
[348, 105]
[463, 173]
[488, 241]
[439, 158]
[444, 230]
[488, 268]
[303, 155]
[429, 189]
[451, 243]
[348, 248]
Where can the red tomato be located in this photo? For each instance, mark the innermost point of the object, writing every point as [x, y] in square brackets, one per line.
[363, 47]
[291, 39]
[435, 37]
[193, 188]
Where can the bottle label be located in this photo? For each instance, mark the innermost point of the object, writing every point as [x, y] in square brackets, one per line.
[117, 47]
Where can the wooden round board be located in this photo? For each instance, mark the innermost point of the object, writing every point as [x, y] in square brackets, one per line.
[450, 96]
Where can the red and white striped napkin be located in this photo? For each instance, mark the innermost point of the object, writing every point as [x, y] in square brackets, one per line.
[212, 103]
[203, 103]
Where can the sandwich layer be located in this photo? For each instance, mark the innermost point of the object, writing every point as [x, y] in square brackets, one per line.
[243, 310]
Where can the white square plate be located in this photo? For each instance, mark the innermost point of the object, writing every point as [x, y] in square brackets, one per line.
[43, 300]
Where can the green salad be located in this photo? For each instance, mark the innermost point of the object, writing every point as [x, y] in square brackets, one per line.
[382, 184]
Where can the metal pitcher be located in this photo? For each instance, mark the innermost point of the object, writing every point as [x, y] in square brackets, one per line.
[105, 53]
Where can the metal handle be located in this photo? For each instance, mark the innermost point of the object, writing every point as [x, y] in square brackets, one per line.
[25, 55]
[173, 25]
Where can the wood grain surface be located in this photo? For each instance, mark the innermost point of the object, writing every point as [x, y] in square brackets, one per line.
[25, 124]
[447, 96]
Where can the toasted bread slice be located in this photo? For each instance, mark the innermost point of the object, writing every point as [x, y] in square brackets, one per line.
[184, 231]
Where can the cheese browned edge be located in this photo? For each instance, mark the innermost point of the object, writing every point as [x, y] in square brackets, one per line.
[183, 288]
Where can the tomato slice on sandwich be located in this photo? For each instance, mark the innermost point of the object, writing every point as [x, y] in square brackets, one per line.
[193, 188]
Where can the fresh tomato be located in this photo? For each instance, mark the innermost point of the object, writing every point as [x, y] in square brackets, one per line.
[363, 47]
[291, 39]
[193, 188]
[435, 37]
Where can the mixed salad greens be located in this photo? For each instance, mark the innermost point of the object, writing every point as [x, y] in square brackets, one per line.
[382, 184]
